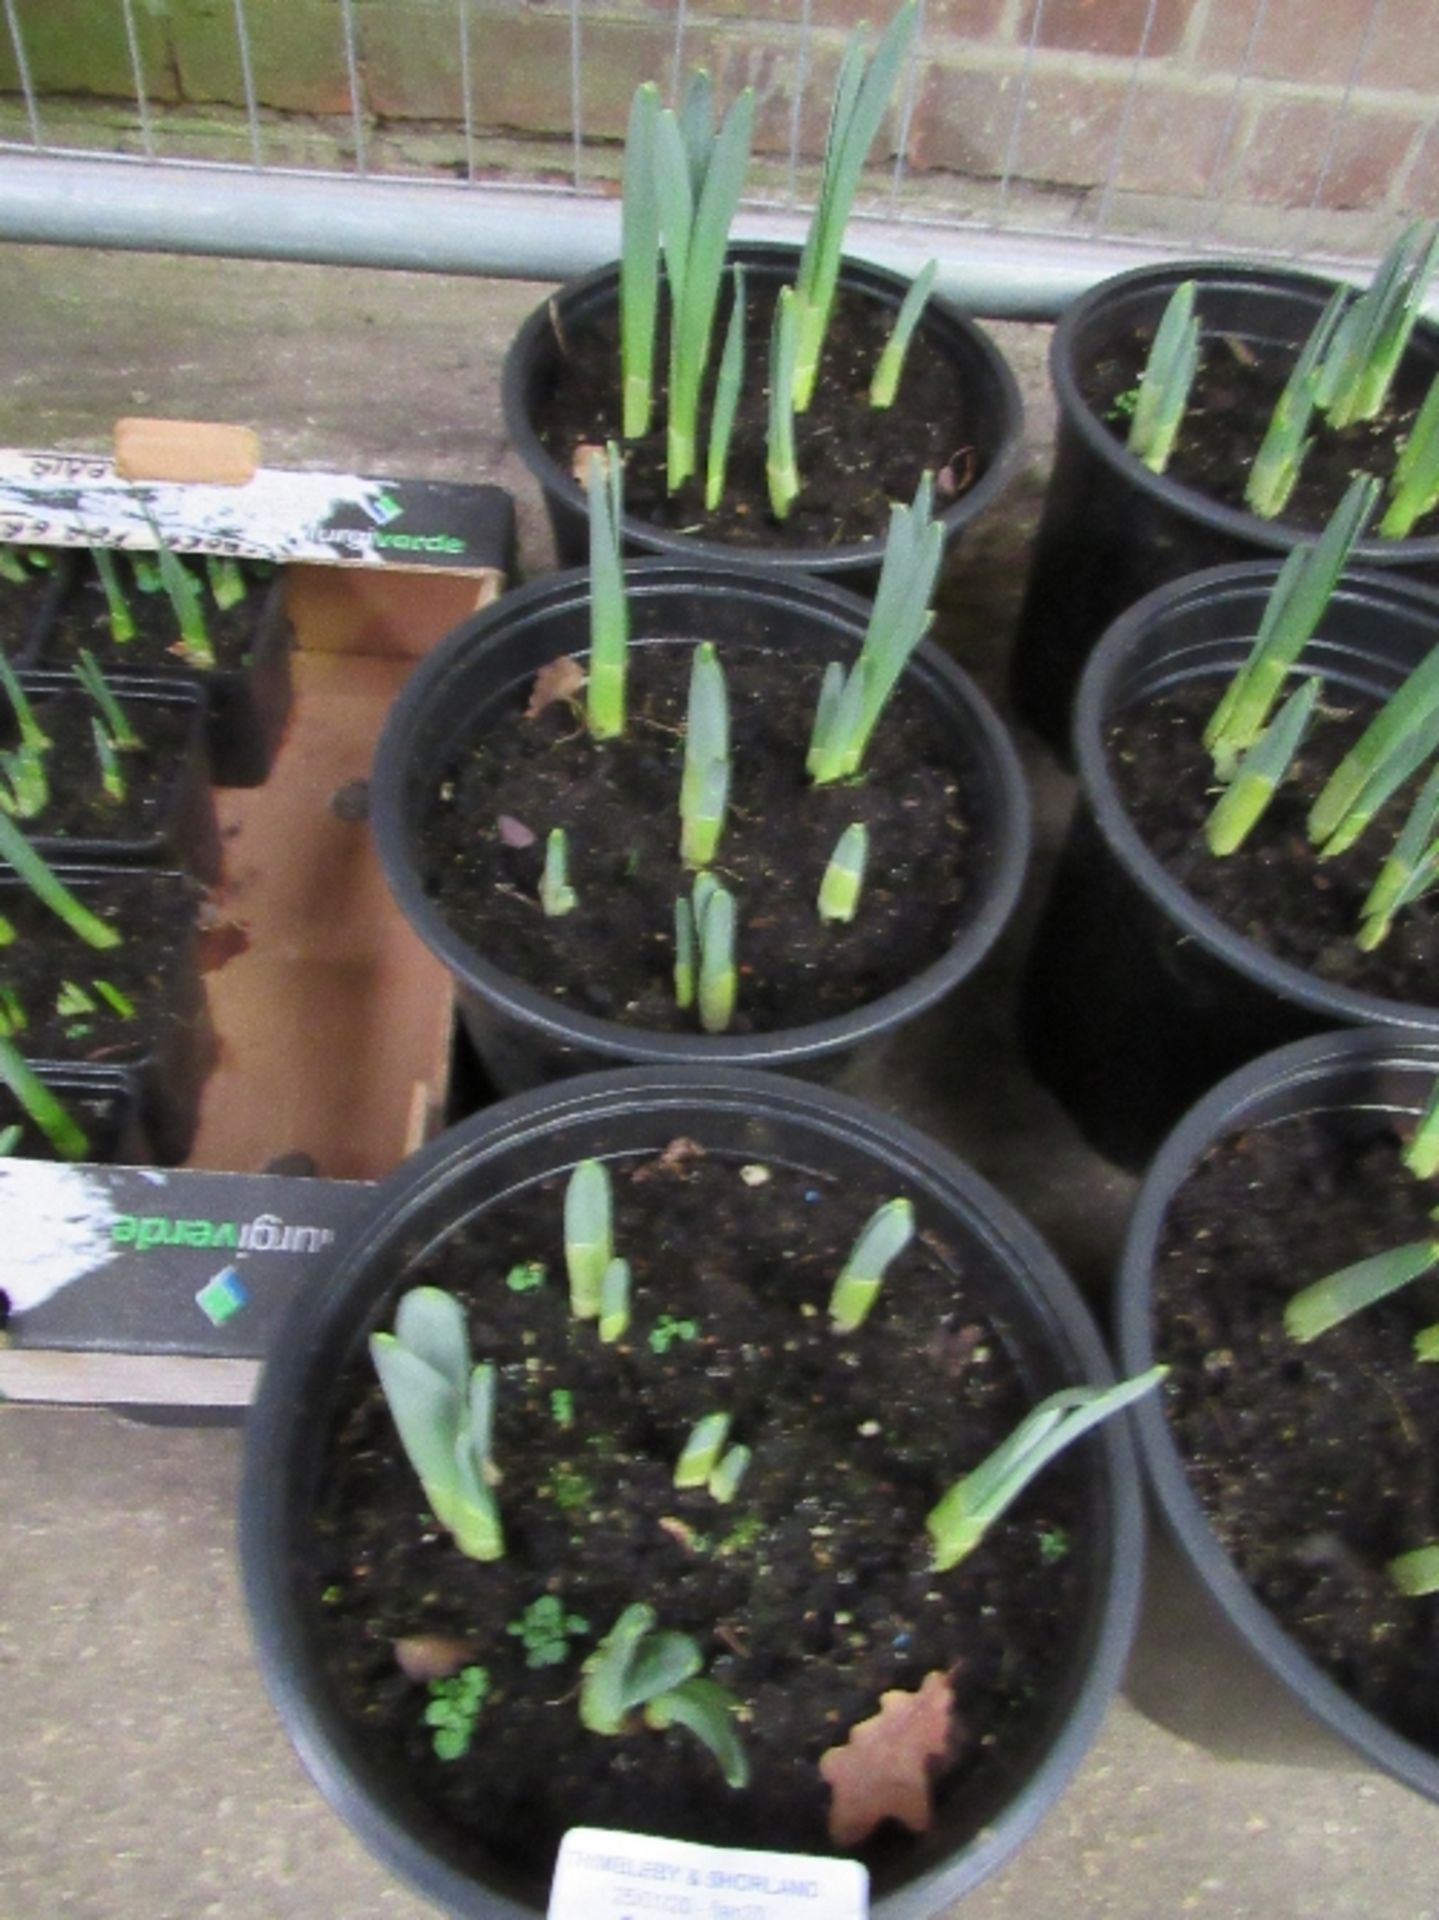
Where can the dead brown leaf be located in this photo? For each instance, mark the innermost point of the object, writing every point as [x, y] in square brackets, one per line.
[585, 451]
[885, 1768]
[557, 680]
[671, 1159]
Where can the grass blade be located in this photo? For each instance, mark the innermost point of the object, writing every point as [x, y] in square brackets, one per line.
[589, 1236]
[557, 896]
[717, 986]
[885, 384]
[1415, 486]
[861, 96]
[1168, 376]
[884, 1236]
[609, 615]
[1327, 1302]
[843, 880]
[726, 400]
[1257, 778]
[1291, 617]
[781, 465]
[960, 1520]
[1408, 710]
[41, 1105]
[51, 891]
[1286, 440]
[639, 262]
[694, 302]
[1417, 1573]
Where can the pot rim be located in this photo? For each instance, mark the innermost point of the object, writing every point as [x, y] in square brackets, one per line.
[1252, 579]
[557, 1023]
[940, 317]
[1058, 1318]
[1236, 523]
[1301, 1064]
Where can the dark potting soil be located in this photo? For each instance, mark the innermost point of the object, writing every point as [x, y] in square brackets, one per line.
[78, 806]
[1316, 1464]
[809, 1596]
[151, 912]
[854, 460]
[619, 805]
[84, 621]
[1274, 890]
[20, 605]
[100, 1117]
[1233, 397]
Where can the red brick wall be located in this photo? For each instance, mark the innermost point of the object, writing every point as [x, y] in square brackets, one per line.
[1336, 109]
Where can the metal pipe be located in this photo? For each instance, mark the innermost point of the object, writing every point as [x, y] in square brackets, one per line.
[501, 232]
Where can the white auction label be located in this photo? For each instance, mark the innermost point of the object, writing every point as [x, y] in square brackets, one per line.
[639, 1876]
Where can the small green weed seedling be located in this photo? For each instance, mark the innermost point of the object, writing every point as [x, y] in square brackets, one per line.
[546, 1630]
[666, 1330]
[966, 1513]
[455, 1706]
[639, 1665]
[443, 1409]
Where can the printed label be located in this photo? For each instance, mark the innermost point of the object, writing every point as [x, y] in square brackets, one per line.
[58, 499]
[637, 1876]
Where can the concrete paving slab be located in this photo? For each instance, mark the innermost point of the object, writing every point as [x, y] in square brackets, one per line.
[146, 1778]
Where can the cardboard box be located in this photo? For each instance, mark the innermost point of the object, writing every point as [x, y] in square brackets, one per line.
[161, 1287]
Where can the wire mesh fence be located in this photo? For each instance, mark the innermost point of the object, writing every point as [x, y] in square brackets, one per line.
[1292, 126]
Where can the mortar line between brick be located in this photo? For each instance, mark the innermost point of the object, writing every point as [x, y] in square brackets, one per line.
[1126, 115]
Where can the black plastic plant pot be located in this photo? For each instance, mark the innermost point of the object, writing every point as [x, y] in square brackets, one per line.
[183, 830]
[1112, 531]
[1214, 1664]
[102, 1101]
[246, 704]
[518, 1144]
[1137, 997]
[175, 1047]
[479, 673]
[993, 423]
[27, 608]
